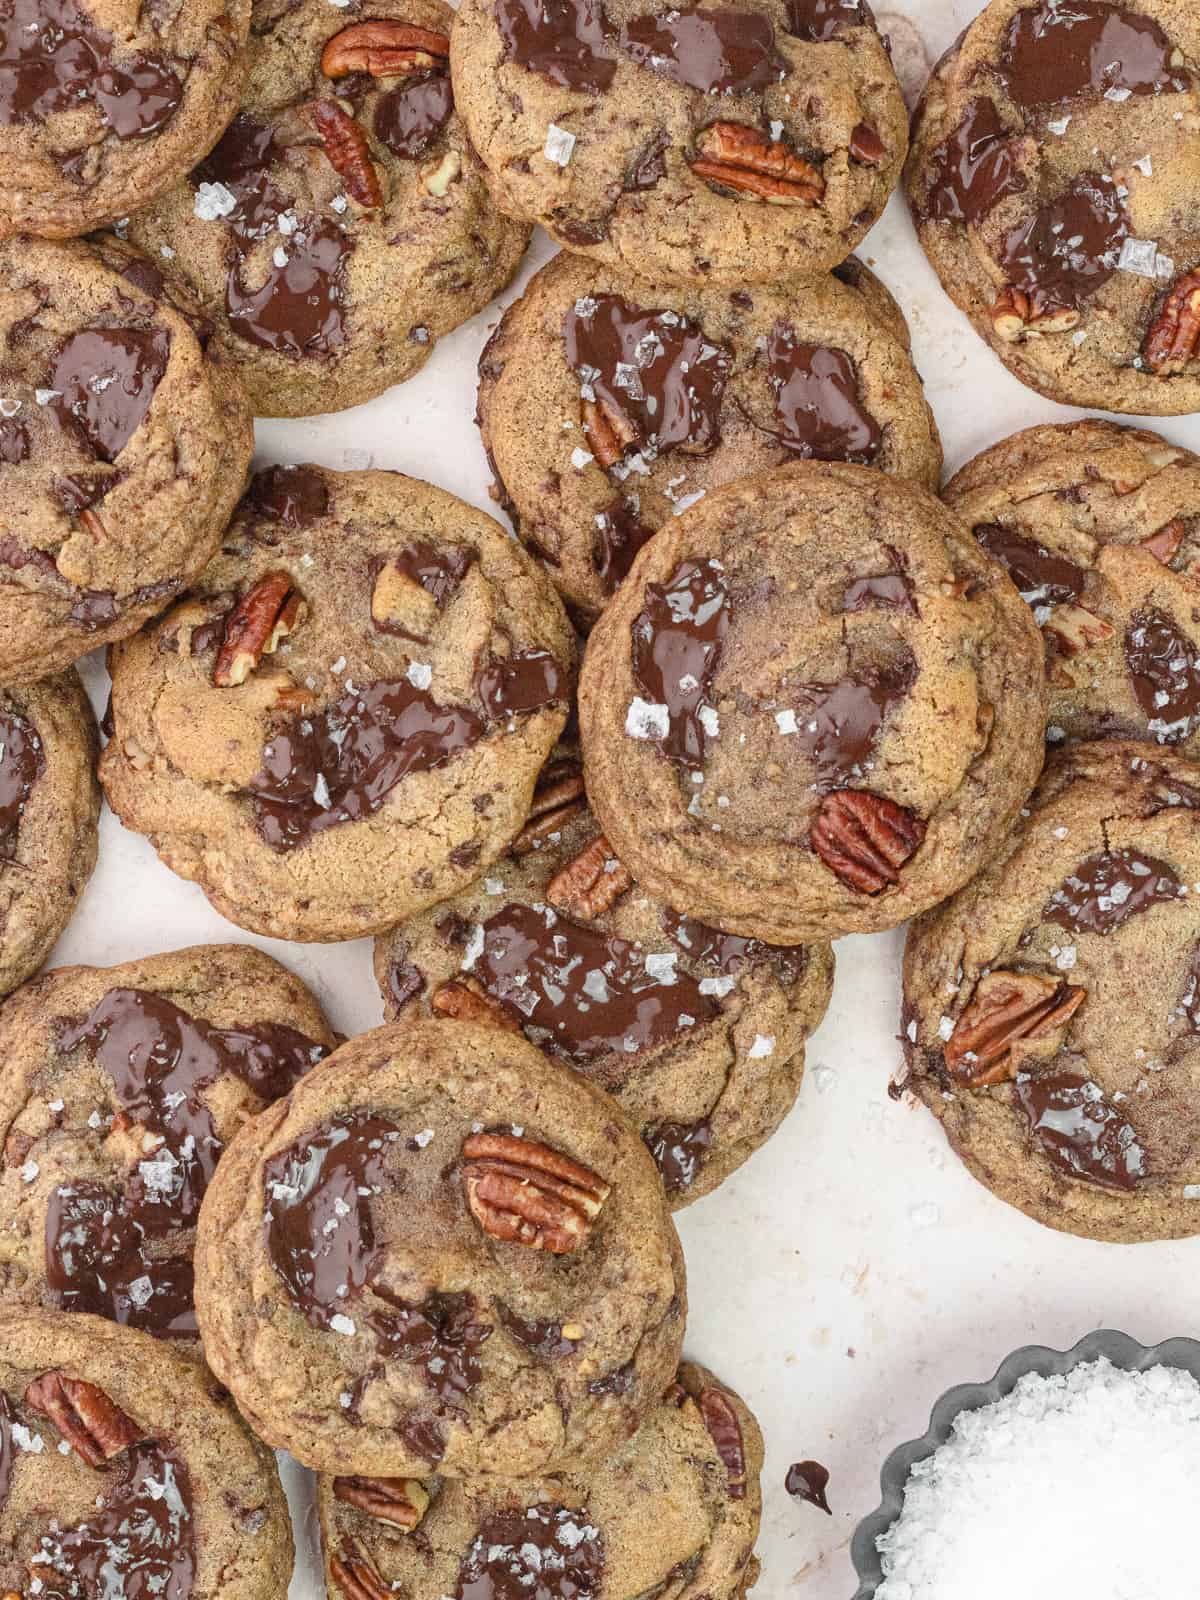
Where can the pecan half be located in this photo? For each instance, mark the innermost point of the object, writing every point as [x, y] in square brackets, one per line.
[400, 1502]
[91, 1424]
[745, 159]
[608, 431]
[256, 626]
[557, 800]
[1016, 314]
[466, 1002]
[1075, 629]
[866, 146]
[1007, 1007]
[725, 1431]
[356, 1574]
[384, 49]
[524, 1192]
[590, 884]
[345, 145]
[864, 839]
[1164, 544]
[1173, 338]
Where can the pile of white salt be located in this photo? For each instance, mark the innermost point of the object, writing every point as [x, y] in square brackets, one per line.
[1077, 1488]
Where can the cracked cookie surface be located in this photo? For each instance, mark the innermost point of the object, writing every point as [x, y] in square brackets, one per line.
[344, 721]
[732, 144]
[443, 1252]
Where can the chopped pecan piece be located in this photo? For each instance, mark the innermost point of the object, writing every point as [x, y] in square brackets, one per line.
[401, 1502]
[524, 1192]
[608, 431]
[1173, 338]
[865, 839]
[591, 884]
[93, 525]
[557, 800]
[866, 146]
[725, 1430]
[1016, 314]
[356, 1574]
[745, 159]
[466, 1002]
[1007, 1007]
[91, 1424]
[345, 144]
[1075, 629]
[262, 618]
[399, 604]
[384, 49]
[436, 180]
[1164, 544]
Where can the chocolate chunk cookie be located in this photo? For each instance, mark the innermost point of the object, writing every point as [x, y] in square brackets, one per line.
[1099, 528]
[442, 1252]
[607, 405]
[811, 706]
[699, 1034]
[344, 721]
[49, 809]
[124, 444]
[343, 224]
[119, 1089]
[736, 143]
[676, 1511]
[1051, 1020]
[123, 1474]
[1055, 182]
[103, 105]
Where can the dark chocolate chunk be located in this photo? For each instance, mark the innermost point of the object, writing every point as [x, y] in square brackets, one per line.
[715, 49]
[1107, 889]
[1082, 1134]
[677, 641]
[808, 1480]
[543, 1552]
[1070, 247]
[1164, 670]
[568, 42]
[974, 169]
[104, 380]
[817, 406]
[22, 762]
[1056, 51]
[410, 118]
[1044, 579]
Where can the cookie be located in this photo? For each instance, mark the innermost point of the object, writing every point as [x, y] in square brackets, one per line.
[342, 225]
[1050, 1008]
[731, 144]
[1098, 526]
[676, 1510]
[124, 445]
[344, 721]
[124, 1474]
[49, 811]
[102, 106]
[119, 1089]
[442, 1252]
[607, 405]
[812, 706]
[1053, 181]
[700, 1035]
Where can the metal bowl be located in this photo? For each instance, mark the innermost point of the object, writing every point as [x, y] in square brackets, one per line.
[1119, 1348]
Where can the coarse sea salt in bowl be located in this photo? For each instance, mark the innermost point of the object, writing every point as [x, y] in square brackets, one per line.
[1071, 1475]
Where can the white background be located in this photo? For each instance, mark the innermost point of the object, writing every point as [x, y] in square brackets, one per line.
[853, 1271]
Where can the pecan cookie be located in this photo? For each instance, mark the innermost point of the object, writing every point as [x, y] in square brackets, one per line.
[344, 721]
[687, 1529]
[343, 224]
[104, 105]
[1098, 526]
[49, 809]
[1051, 1020]
[124, 444]
[736, 143]
[119, 1088]
[442, 1252]
[1054, 180]
[811, 706]
[124, 1474]
[607, 405]
[699, 1034]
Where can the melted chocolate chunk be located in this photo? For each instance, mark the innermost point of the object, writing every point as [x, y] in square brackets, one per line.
[139, 99]
[1164, 670]
[819, 20]
[295, 496]
[808, 1480]
[341, 764]
[568, 42]
[713, 49]
[22, 762]
[676, 642]
[817, 402]
[14, 442]
[650, 163]
[7, 1418]
[440, 1336]
[618, 1381]
[1057, 51]
[974, 169]
[242, 162]
[405, 982]
[543, 1553]
[409, 119]
[1070, 248]
[838, 724]
[1044, 579]
[1107, 889]
[730, 953]
[891, 590]
[544, 1339]
[591, 992]
[620, 534]
[104, 381]
[94, 609]
[438, 569]
[144, 275]
[297, 311]
[679, 1149]
[654, 369]
[524, 682]
[1189, 1001]
[1082, 1133]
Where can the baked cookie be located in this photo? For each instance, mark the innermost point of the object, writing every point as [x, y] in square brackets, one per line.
[811, 707]
[103, 106]
[124, 1474]
[736, 143]
[676, 1510]
[124, 444]
[442, 1252]
[119, 1088]
[700, 1035]
[344, 721]
[343, 224]
[1050, 1008]
[606, 405]
[49, 811]
[1055, 182]
[1098, 526]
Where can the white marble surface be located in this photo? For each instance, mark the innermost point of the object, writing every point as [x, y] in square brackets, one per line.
[853, 1271]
